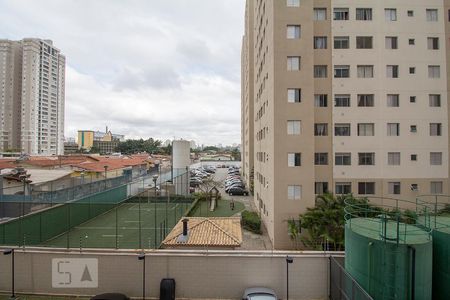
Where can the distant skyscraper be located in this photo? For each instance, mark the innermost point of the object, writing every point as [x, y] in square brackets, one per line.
[32, 77]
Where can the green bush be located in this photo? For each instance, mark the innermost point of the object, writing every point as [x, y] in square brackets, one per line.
[251, 221]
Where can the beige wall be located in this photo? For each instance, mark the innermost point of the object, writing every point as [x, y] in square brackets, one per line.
[198, 274]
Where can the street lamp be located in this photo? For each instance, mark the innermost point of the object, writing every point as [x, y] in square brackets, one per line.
[106, 171]
[142, 257]
[155, 178]
[8, 252]
[289, 260]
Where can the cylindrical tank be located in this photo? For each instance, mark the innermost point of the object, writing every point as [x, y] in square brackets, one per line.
[181, 154]
[441, 258]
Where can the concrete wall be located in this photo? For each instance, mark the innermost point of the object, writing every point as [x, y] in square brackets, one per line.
[198, 274]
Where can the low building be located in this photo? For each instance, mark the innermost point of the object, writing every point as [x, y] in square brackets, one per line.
[70, 148]
[106, 147]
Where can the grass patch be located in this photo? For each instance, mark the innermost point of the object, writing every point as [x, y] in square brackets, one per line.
[222, 209]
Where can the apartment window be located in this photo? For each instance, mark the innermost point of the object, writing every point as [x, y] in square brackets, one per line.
[342, 129]
[293, 127]
[320, 42]
[294, 95]
[393, 158]
[436, 158]
[343, 188]
[435, 129]
[342, 100]
[413, 128]
[436, 187]
[364, 42]
[435, 100]
[341, 71]
[366, 159]
[320, 14]
[365, 71]
[392, 71]
[294, 192]
[364, 14]
[410, 13]
[320, 71]
[293, 3]
[413, 157]
[321, 100]
[393, 129]
[366, 129]
[412, 99]
[343, 159]
[411, 41]
[366, 188]
[393, 100]
[341, 42]
[320, 129]
[321, 159]
[391, 42]
[434, 71]
[432, 15]
[320, 188]
[293, 63]
[394, 188]
[433, 43]
[390, 14]
[341, 14]
[366, 100]
[294, 159]
[412, 70]
[293, 31]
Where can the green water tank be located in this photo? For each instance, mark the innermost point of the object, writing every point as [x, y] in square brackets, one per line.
[441, 258]
[389, 259]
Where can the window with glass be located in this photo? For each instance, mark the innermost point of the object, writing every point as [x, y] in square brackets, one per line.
[413, 157]
[393, 158]
[294, 95]
[412, 99]
[366, 129]
[320, 42]
[343, 188]
[294, 159]
[341, 42]
[435, 158]
[393, 100]
[435, 129]
[342, 159]
[293, 63]
[320, 188]
[393, 129]
[364, 42]
[364, 14]
[436, 187]
[413, 128]
[321, 159]
[320, 14]
[294, 192]
[390, 14]
[320, 100]
[342, 129]
[394, 188]
[432, 15]
[341, 14]
[342, 100]
[293, 3]
[433, 43]
[391, 42]
[365, 71]
[366, 100]
[320, 71]
[434, 71]
[435, 100]
[342, 71]
[392, 71]
[410, 13]
[366, 159]
[366, 188]
[293, 127]
[321, 129]
[293, 31]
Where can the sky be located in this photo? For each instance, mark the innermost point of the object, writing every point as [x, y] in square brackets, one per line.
[144, 68]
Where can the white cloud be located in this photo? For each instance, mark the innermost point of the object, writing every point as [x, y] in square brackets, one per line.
[145, 68]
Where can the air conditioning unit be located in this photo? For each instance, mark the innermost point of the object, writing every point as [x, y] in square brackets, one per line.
[414, 187]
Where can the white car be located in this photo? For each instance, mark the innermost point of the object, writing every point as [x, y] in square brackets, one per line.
[259, 293]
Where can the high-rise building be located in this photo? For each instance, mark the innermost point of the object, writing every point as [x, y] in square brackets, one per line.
[348, 97]
[32, 73]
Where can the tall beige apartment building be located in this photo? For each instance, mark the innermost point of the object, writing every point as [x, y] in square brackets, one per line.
[32, 85]
[344, 96]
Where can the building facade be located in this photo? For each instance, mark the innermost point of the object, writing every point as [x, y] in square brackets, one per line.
[349, 97]
[32, 73]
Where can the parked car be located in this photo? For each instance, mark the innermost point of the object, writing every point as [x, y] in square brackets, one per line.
[111, 296]
[259, 293]
[238, 191]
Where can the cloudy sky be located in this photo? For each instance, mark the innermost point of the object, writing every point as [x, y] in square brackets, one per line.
[145, 68]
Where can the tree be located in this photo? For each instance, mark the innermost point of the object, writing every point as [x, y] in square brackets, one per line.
[236, 154]
[135, 146]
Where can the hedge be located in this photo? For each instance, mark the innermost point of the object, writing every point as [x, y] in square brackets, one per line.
[251, 221]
